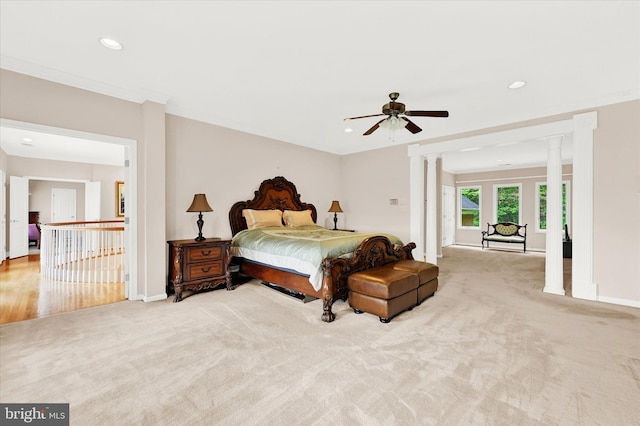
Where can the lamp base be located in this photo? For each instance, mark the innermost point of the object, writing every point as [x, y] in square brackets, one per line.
[335, 221]
[200, 222]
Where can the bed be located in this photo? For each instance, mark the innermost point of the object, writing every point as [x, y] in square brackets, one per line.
[34, 234]
[274, 253]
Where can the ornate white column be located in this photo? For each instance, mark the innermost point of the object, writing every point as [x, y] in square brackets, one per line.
[416, 200]
[432, 208]
[582, 285]
[553, 265]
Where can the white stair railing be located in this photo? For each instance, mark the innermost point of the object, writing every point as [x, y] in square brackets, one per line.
[83, 252]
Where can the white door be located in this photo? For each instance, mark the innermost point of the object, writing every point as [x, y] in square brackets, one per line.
[92, 201]
[3, 217]
[18, 216]
[63, 205]
[448, 215]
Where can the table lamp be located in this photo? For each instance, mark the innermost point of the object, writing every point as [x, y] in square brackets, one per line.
[335, 209]
[199, 205]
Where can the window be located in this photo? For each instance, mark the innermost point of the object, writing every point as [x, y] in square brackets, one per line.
[541, 205]
[507, 202]
[469, 206]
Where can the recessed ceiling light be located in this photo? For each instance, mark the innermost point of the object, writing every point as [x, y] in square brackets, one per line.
[27, 140]
[110, 43]
[348, 130]
[475, 148]
[517, 84]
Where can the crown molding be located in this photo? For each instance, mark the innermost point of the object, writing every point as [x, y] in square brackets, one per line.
[138, 96]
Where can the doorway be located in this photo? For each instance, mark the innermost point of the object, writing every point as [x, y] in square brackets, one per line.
[579, 129]
[63, 205]
[18, 216]
[130, 178]
[448, 215]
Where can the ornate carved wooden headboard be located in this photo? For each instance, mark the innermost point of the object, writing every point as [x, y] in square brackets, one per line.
[276, 193]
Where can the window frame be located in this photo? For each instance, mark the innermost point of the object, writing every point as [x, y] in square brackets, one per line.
[495, 199]
[567, 185]
[459, 207]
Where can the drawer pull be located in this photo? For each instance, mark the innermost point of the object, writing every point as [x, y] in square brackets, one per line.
[207, 253]
[205, 270]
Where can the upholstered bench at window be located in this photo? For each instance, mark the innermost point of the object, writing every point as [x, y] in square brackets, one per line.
[391, 289]
[505, 232]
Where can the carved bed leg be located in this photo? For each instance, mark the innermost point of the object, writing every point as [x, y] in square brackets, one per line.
[327, 315]
[328, 289]
[178, 291]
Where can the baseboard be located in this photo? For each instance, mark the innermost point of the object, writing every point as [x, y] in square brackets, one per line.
[616, 301]
[513, 247]
[155, 298]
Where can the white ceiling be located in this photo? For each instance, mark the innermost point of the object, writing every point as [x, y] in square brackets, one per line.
[293, 71]
[35, 144]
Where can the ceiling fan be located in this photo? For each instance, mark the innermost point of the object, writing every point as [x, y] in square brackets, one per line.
[395, 120]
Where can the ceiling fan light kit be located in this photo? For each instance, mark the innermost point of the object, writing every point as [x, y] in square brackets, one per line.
[394, 121]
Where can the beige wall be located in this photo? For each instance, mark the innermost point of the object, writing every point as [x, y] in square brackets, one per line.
[616, 192]
[368, 181]
[176, 158]
[40, 198]
[41, 192]
[32, 100]
[616, 189]
[228, 165]
[525, 177]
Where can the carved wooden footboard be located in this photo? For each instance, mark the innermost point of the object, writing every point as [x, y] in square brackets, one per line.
[372, 252]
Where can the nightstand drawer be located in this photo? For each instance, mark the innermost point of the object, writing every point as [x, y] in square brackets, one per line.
[195, 254]
[204, 270]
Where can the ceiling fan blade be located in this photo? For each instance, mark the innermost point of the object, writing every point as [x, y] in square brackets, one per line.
[411, 126]
[373, 128]
[363, 116]
[427, 113]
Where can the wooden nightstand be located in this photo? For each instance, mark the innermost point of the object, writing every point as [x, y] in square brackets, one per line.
[199, 265]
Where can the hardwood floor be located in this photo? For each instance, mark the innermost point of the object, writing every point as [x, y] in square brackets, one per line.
[24, 294]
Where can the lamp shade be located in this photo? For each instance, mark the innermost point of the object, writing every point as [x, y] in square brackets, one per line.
[199, 204]
[335, 207]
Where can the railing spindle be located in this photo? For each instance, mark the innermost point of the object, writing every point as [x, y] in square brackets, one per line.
[90, 252]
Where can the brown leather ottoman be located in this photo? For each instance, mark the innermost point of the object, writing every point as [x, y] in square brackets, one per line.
[427, 273]
[383, 291]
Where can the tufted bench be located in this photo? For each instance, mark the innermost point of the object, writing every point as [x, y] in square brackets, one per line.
[393, 288]
[505, 232]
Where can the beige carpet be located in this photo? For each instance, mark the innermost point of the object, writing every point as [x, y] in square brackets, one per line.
[489, 349]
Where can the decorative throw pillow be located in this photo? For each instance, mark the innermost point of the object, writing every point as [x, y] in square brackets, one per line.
[262, 218]
[294, 218]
